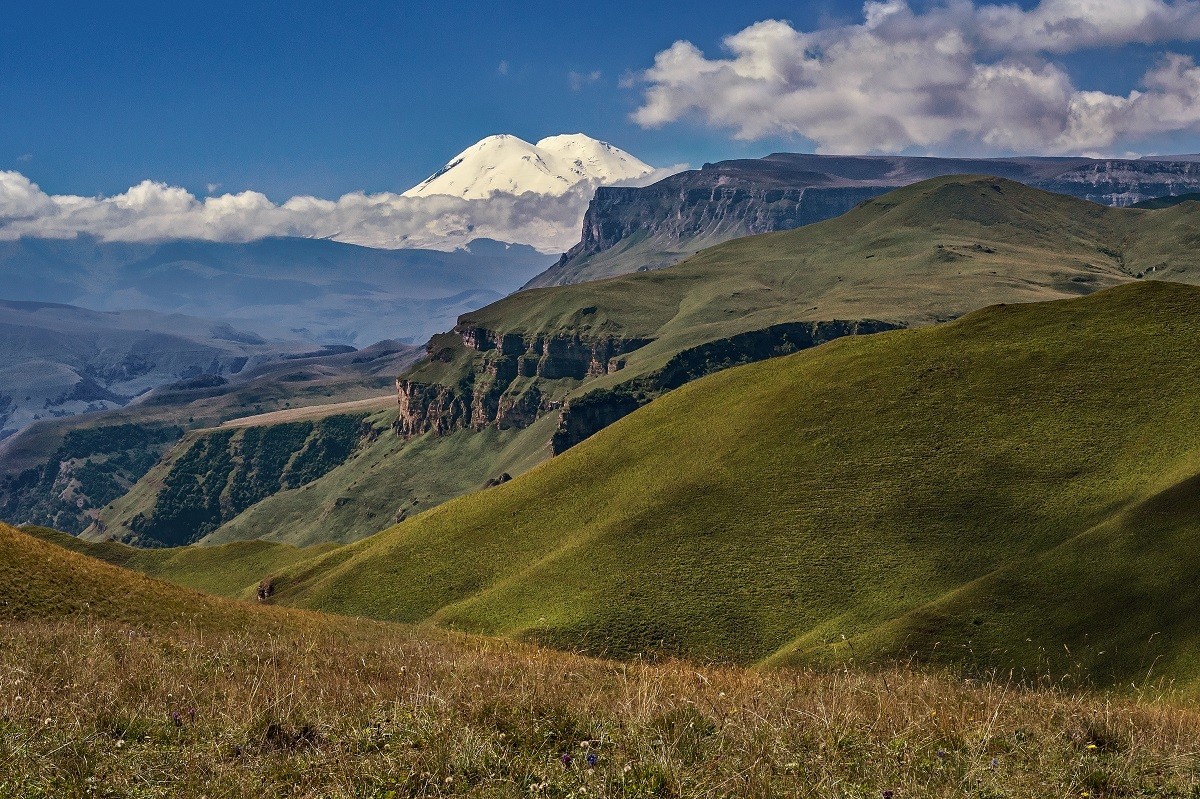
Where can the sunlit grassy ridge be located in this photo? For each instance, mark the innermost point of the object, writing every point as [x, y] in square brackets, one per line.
[230, 570]
[989, 491]
[45, 581]
[205, 697]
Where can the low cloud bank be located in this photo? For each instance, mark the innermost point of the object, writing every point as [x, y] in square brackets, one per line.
[152, 211]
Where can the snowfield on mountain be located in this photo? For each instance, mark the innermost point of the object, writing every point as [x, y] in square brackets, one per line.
[509, 165]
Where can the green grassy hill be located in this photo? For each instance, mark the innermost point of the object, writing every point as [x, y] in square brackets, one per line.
[389, 480]
[569, 360]
[115, 684]
[213, 475]
[233, 570]
[44, 581]
[919, 255]
[990, 490]
[382, 480]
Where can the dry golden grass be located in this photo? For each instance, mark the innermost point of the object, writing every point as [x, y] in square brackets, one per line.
[358, 709]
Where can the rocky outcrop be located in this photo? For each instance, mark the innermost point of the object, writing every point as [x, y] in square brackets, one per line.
[1125, 183]
[548, 357]
[505, 386]
[501, 388]
[584, 416]
[587, 415]
[630, 229]
[426, 407]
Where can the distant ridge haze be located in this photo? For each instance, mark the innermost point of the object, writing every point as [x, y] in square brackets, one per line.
[321, 291]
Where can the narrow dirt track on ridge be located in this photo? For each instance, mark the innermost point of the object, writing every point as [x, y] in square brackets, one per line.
[311, 412]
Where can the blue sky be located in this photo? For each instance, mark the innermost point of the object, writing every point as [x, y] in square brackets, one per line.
[306, 98]
[325, 98]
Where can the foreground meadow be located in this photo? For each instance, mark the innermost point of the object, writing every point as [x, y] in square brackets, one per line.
[96, 708]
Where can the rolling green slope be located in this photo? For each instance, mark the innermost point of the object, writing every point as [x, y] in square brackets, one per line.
[45, 581]
[1022, 473]
[388, 481]
[919, 255]
[234, 570]
[190, 494]
[214, 475]
[543, 369]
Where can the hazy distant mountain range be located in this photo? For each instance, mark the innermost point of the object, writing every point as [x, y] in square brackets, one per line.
[320, 291]
[59, 360]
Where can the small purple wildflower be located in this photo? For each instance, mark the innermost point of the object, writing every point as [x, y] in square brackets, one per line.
[889, 794]
[592, 759]
[176, 719]
[995, 762]
[566, 760]
[941, 753]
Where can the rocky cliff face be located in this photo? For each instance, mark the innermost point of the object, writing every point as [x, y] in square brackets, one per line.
[502, 386]
[589, 413]
[672, 221]
[629, 230]
[505, 386]
[1125, 183]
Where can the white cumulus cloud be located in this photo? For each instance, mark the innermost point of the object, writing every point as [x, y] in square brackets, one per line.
[961, 76]
[152, 211]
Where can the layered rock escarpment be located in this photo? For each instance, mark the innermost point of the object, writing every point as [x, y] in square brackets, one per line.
[638, 229]
[1125, 183]
[657, 226]
[504, 387]
[589, 413]
[501, 386]
[678, 213]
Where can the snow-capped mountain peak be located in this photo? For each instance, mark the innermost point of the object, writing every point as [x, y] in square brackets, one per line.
[510, 165]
